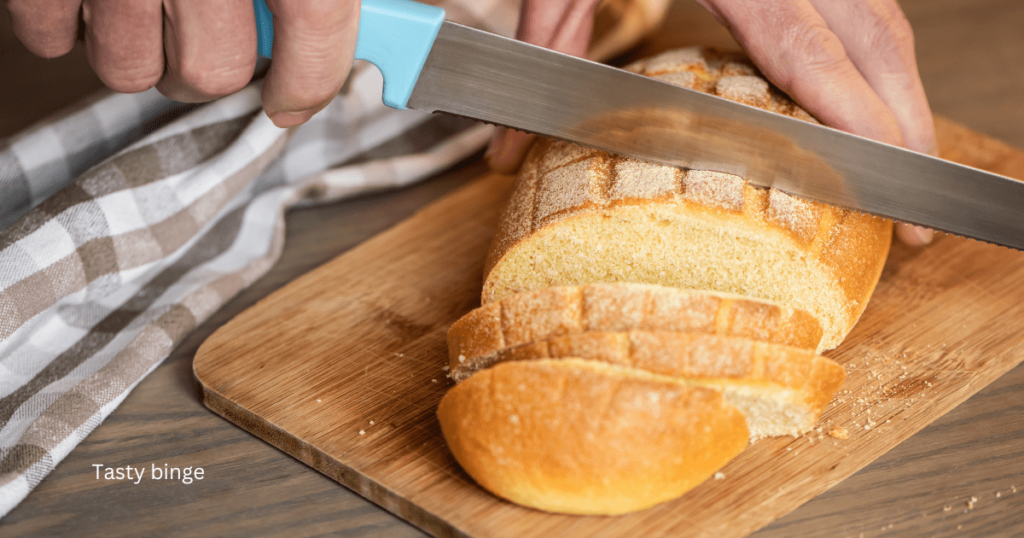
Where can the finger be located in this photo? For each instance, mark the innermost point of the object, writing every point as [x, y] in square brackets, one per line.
[48, 28]
[314, 41]
[210, 48]
[879, 41]
[914, 236]
[562, 25]
[123, 42]
[796, 50]
[507, 150]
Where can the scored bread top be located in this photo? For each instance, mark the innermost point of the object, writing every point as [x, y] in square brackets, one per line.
[812, 379]
[537, 315]
[553, 167]
[561, 182]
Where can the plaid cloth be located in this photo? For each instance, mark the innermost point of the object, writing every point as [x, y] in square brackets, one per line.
[126, 223]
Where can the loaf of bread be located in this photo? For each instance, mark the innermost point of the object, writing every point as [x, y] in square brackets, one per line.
[530, 316]
[584, 437]
[781, 389]
[581, 216]
[641, 322]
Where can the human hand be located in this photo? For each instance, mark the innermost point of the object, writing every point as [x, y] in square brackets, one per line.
[562, 25]
[850, 63]
[197, 50]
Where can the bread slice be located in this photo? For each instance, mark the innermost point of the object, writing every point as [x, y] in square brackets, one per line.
[530, 316]
[781, 389]
[583, 437]
[581, 216]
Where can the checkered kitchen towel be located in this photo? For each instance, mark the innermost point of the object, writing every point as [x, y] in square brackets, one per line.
[116, 239]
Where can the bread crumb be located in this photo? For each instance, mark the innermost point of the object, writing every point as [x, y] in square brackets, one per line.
[947, 508]
[462, 359]
[445, 368]
[719, 476]
[999, 494]
[839, 433]
[362, 432]
[371, 423]
[789, 448]
[433, 381]
[318, 400]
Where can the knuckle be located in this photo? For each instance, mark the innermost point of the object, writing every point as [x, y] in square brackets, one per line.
[813, 48]
[209, 81]
[48, 46]
[123, 70]
[890, 38]
[44, 41]
[306, 97]
[130, 80]
[46, 32]
[311, 12]
[897, 21]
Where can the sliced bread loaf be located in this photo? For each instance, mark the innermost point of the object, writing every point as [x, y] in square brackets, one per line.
[584, 437]
[781, 389]
[583, 216]
[536, 315]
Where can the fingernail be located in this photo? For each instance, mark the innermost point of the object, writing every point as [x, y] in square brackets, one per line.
[290, 119]
[924, 234]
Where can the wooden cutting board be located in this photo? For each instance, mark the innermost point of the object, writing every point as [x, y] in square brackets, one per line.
[342, 369]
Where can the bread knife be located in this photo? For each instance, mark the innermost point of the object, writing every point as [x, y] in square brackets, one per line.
[433, 65]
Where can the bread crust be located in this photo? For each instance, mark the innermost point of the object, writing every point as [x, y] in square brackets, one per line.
[579, 194]
[581, 437]
[689, 356]
[776, 374]
[536, 315]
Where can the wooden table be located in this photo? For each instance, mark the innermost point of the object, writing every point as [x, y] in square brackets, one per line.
[970, 58]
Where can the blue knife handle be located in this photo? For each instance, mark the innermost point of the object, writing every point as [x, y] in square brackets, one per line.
[394, 35]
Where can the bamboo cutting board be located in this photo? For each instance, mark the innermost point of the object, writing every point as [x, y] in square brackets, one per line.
[342, 369]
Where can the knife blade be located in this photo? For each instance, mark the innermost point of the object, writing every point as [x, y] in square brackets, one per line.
[433, 65]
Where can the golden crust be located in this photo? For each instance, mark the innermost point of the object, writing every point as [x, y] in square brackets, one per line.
[536, 315]
[582, 437]
[795, 377]
[578, 199]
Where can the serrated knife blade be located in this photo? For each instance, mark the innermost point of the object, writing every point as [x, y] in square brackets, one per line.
[506, 82]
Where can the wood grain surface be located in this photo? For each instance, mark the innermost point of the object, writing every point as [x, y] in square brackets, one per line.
[968, 53]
